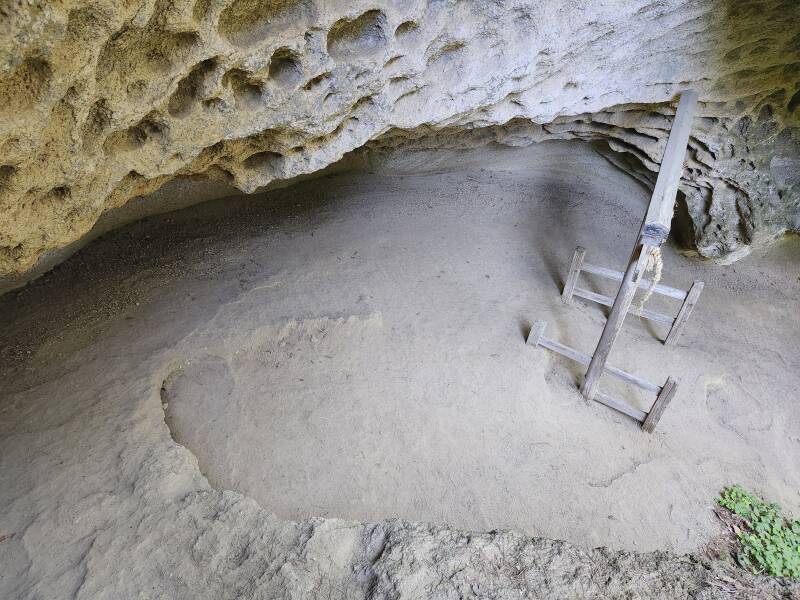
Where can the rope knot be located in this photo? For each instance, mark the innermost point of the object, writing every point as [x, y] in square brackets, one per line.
[655, 264]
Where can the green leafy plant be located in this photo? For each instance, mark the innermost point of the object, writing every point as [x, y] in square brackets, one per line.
[769, 543]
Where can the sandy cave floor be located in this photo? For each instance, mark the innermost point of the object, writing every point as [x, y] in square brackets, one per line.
[353, 347]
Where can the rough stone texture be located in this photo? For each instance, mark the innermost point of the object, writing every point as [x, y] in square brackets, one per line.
[101, 102]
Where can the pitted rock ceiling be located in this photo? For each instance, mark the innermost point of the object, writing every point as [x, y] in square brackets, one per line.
[103, 101]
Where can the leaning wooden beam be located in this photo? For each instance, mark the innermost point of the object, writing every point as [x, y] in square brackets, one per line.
[619, 309]
[662, 204]
[645, 313]
[664, 290]
[536, 338]
[653, 233]
[660, 405]
[572, 277]
[684, 313]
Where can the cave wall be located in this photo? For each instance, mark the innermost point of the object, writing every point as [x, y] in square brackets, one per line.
[102, 102]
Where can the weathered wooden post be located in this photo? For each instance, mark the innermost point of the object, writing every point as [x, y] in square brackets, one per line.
[653, 233]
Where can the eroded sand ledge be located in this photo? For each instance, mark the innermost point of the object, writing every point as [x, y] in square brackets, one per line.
[99, 501]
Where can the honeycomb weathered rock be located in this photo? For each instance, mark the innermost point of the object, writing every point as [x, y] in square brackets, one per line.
[104, 101]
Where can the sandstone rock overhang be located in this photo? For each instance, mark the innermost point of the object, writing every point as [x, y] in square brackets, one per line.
[102, 102]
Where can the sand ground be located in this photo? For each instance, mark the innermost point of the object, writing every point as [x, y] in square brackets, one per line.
[353, 347]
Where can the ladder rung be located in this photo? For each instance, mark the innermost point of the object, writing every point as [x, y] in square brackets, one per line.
[585, 359]
[634, 310]
[664, 290]
[620, 406]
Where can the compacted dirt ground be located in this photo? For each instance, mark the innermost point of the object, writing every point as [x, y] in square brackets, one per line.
[232, 400]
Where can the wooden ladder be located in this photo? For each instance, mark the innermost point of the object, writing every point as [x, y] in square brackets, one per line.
[653, 233]
[676, 323]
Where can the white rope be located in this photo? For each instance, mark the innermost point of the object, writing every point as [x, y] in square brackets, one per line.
[654, 263]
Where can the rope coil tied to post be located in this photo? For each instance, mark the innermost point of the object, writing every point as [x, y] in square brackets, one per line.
[655, 264]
